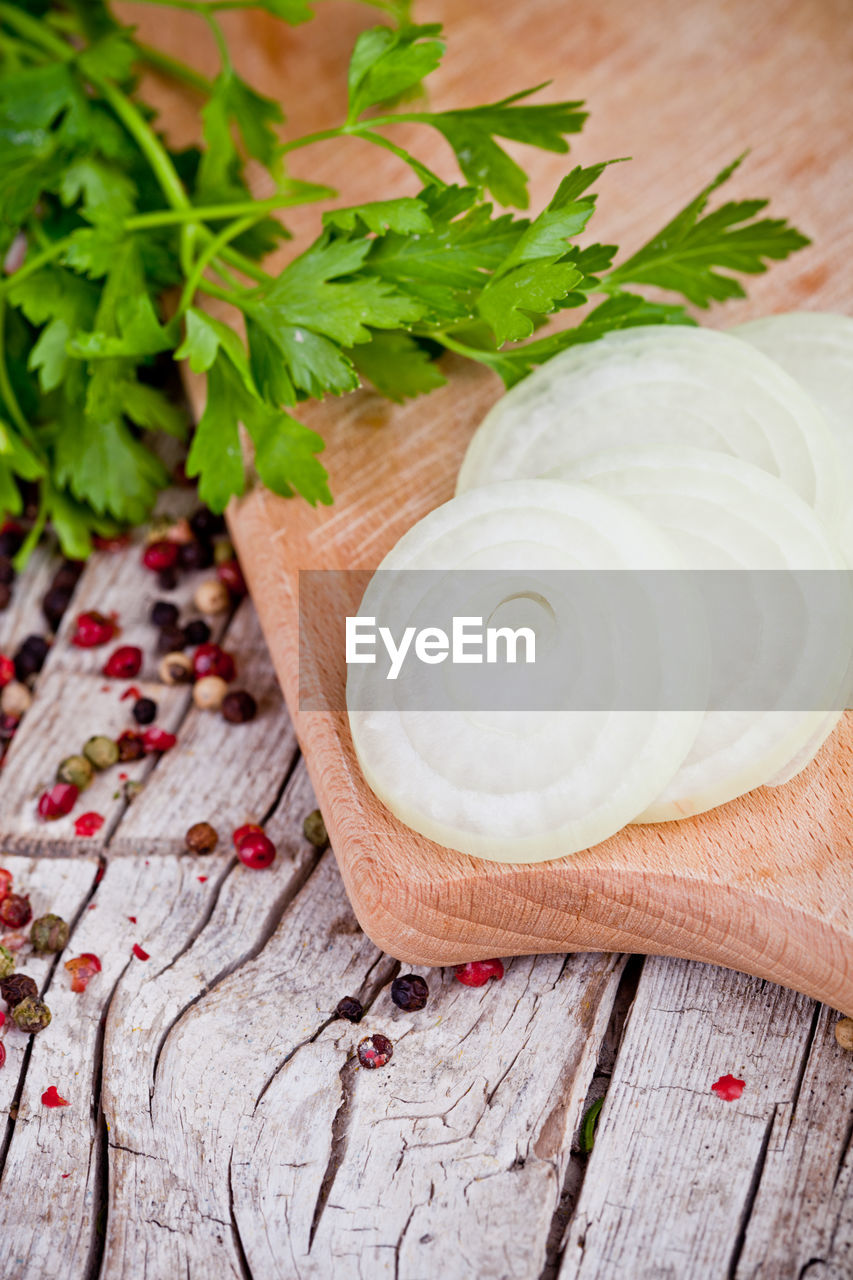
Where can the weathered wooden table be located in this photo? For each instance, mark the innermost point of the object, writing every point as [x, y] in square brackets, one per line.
[219, 1124]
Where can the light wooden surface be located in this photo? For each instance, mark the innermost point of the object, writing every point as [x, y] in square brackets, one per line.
[765, 884]
[219, 1124]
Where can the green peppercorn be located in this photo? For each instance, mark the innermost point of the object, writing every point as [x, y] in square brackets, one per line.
[49, 933]
[223, 551]
[7, 962]
[31, 1015]
[102, 752]
[314, 830]
[77, 770]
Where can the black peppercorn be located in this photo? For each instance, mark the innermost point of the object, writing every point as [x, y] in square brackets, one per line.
[409, 992]
[31, 1015]
[167, 579]
[164, 613]
[10, 542]
[7, 570]
[144, 711]
[67, 575]
[195, 555]
[30, 657]
[17, 987]
[54, 604]
[350, 1008]
[374, 1051]
[171, 640]
[5, 595]
[196, 632]
[239, 706]
[205, 524]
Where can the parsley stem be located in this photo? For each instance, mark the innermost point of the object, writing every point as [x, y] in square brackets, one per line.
[36, 31]
[147, 141]
[241, 263]
[218, 35]
[37, 529]
[426, 175]
[7, 391]
[216, 212]
[206, 257]
[308, 139]
[461, 348]
[174, 68]
[31, 265]
[365, 130]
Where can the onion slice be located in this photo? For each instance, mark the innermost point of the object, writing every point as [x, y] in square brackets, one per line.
[523, 785]
[660, 385]
[816, 349]
[726, 514]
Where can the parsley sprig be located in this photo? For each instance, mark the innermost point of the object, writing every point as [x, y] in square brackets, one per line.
[113, 240]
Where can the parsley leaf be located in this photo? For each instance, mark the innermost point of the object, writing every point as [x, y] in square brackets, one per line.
[472, 132]
[405, 215]
[397, 365]
[683, 257]
[386, 63]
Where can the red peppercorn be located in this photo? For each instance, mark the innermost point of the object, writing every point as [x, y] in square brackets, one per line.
[256, 850]
[5, 882]
[15, 910]
[116, 543]
[477, 972]
[123, 663]
[248, 828]
[212, 660]
[139, 952]
[161, 555]
[7, 670]
[2, 1052]
[375, 1051]
[155, 739]
[57, 802]
[51, 1098]
[88, 824]
[82, 969]
[232, 575]
[93, 629]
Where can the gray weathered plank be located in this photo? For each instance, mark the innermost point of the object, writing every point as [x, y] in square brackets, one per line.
[449, 1162]
[227, 774]
[671, 1177]
[801, 1222]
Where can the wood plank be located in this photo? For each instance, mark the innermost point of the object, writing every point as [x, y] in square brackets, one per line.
[23, 616]
[221, 773]
[801, 1221]
[450, 1163]
[674, 1168]
[73, 701]
[201, 1058]
[48, 1217]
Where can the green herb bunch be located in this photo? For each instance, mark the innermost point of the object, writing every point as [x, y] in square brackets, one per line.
[99, 218]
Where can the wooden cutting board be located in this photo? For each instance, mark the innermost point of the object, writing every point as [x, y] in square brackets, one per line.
[764, 884]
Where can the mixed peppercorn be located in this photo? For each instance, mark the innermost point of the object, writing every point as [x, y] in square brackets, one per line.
[189, 545]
